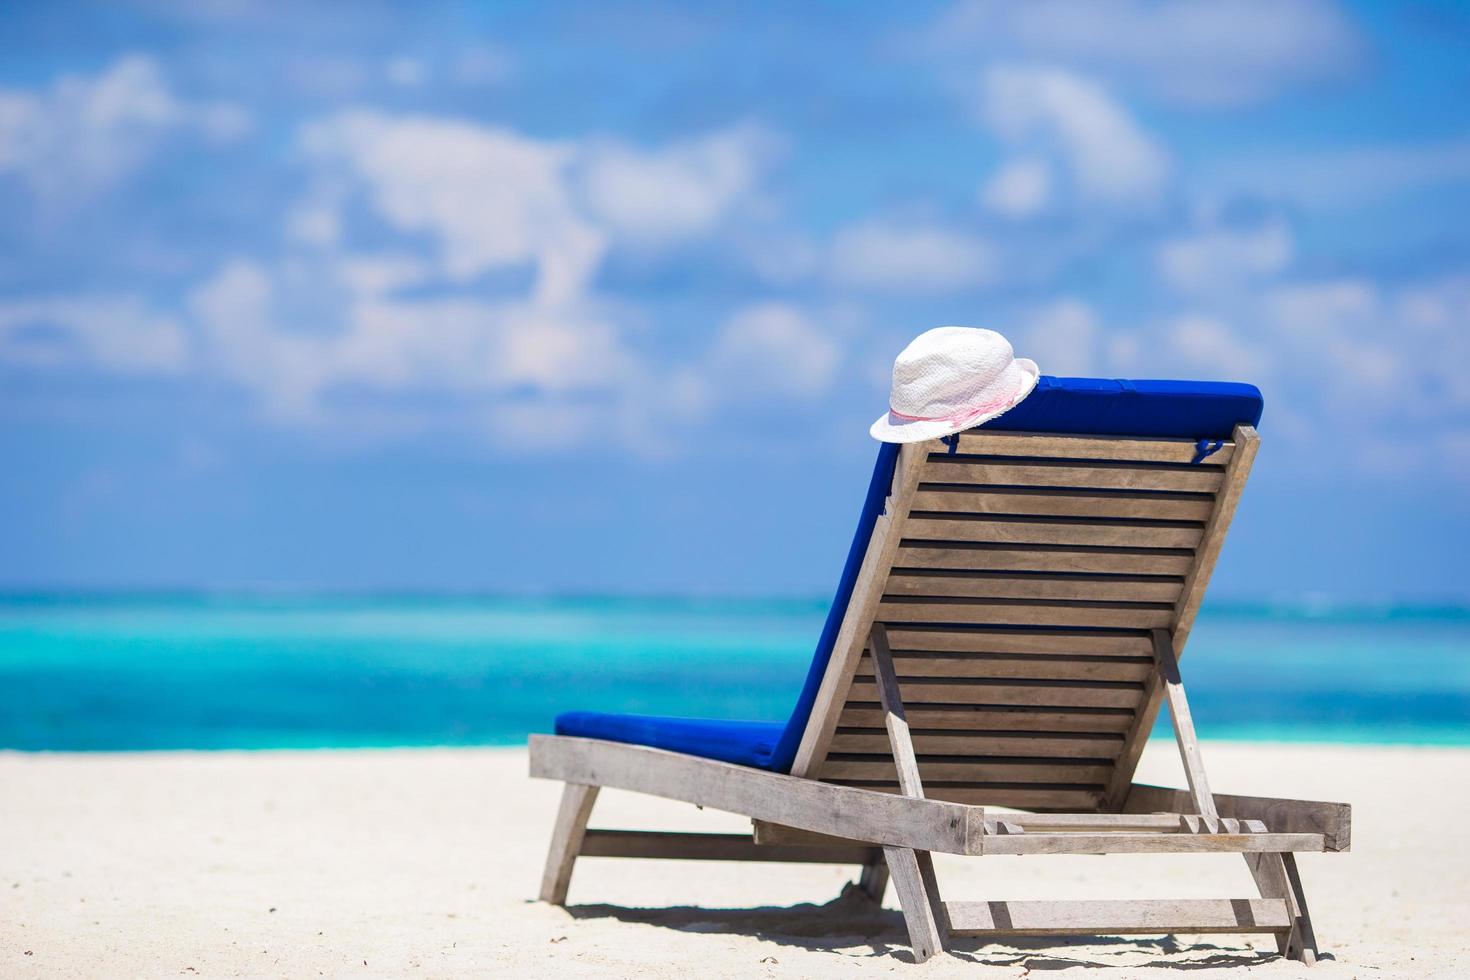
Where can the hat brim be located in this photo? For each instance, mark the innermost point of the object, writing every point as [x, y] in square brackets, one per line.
[892, 428]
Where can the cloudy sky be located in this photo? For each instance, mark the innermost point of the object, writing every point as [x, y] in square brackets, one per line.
[548, 297]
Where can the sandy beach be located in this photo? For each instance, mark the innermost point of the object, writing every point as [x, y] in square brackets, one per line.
[425, 863]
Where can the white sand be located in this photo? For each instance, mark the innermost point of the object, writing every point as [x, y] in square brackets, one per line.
[424, 863]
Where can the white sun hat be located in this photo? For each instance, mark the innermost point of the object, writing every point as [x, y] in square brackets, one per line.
[952, 378]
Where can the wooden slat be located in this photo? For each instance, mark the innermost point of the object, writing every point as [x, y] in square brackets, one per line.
[1332, 820]
[901, 756]
[989, 639]
[912, 871]
[1159, 450]
[1148, 843]
[976, 770]
[1029, 666]
[928, 825]
[985, 717]
[1246, 443]
[1079, 694]
[1020, 795]
[971, 499]
[862, 608]
[714, 847]
[1183, 721]
[764, 832]
[1021, 530]
[1198, 915]
[998, 472]
[1016, 612]
[1005, 585]
[1069, 745]
[917, 553]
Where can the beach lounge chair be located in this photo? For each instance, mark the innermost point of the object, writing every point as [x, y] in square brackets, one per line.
[1008, 624]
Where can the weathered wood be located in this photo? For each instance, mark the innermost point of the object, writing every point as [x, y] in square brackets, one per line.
[989, 717]
[903, 639]
[1216, 530]
[764, 832]
[912, 871]
[1025, 530]
[1120, 476]
[1332, 820]
[1028, 796]
[901, 749]
[873, 880]
[913, 898]
[1001, 585]
[1010, 665]
[976, 770]
[965, 499]
[715, 847]
[1087, 746]
[566, 840]
[825, 807]
[862, 610]
[918, 553]
[1016, 612]
[1270, 877]
[1147, 843]
[1297, 903]
[1236, 472]
[1159, 450]
[964, 690]
[1183, 721]
[1140, 916]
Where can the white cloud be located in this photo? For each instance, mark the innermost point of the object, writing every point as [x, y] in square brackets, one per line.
[84, 134]
[118, 333]
[910, 257]
[1225, 52]
[1019, 189]
[1399, 354]
[655, 197]
[775, 348]
[1109, 157]
[1221, 258]
[1206, 347]
[405, 71]
[1062, 337]
[511, 349]
[490, 197]
[495, 199]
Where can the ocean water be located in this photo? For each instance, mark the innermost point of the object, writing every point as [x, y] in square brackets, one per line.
[86, 672]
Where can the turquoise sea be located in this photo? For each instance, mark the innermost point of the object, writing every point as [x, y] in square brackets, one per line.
[96, 672]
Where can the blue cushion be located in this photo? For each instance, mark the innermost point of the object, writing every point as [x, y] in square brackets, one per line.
[1090, 406]
[749, 743]
[1084, 406]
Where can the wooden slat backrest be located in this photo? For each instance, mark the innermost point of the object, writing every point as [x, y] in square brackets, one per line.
[1018, 578]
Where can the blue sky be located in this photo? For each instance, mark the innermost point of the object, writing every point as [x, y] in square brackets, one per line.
[551, 297]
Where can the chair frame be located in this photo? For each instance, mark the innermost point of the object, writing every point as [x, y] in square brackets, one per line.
[891, 835]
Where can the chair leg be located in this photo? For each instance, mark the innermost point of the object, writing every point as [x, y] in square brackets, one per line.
[566, 841]
[874, 880]
[1298, 903]
[1277, 877]
[913, 880]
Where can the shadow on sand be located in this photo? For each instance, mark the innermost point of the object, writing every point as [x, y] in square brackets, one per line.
[848, 923]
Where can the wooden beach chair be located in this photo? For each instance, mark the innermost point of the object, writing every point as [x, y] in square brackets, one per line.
[1008, 624]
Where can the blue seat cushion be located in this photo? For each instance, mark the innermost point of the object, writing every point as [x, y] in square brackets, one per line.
[748, 743]
[1200, 410]
[1094, 406]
